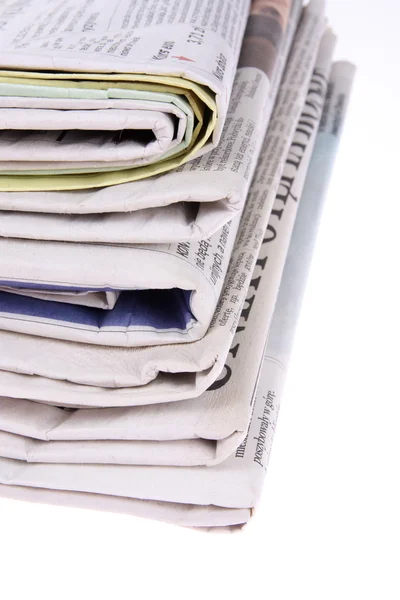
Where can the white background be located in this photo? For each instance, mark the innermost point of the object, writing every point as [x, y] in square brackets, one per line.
[329, 525]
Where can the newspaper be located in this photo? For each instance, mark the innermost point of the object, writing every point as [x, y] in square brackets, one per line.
[167, 293]
[99, 299]
[195, 432]
[177, 310]
[193, 201]
[100, 74]
[79, 374]
[224, 495]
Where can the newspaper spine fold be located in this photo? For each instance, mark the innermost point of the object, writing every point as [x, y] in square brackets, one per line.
[294, 280]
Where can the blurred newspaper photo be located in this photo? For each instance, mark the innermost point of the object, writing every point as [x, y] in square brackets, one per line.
[73, 367]
[223, 495]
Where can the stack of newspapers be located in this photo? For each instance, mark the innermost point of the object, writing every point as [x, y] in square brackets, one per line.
[163, 166]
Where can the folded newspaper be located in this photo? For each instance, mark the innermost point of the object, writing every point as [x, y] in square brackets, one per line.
[67, 361]
[223, 495]
[193, 201]
[101, 93]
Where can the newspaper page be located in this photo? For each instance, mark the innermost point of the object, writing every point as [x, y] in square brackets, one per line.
[87, 65]
[224, 495]
[192, 201]
[87, 375]
[212, 429]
